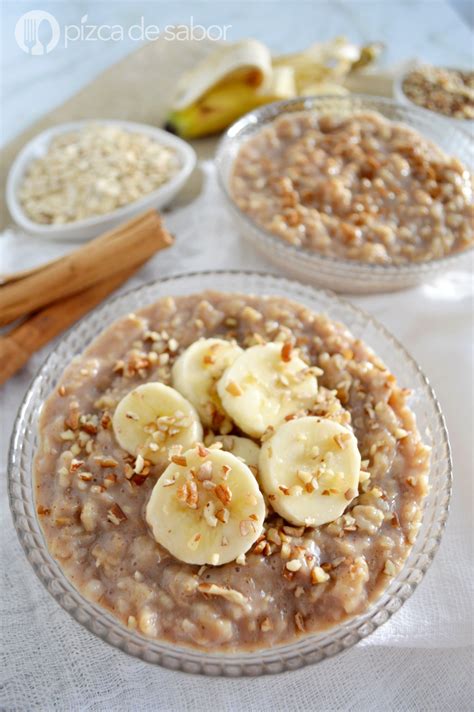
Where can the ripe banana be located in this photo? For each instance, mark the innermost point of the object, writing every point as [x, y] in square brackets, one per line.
[225, 103]
[236, 78]
[309, 470]
[206, 508]
[152, 418]
[196, 372]
[231, 81]
[264, 385]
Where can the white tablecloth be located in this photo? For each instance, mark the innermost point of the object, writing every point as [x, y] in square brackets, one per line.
[420, 660]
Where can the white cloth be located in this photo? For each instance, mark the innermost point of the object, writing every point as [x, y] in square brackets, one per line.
[420, 660]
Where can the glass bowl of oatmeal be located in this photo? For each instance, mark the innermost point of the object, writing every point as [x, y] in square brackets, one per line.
[300, 594]
[353, 193]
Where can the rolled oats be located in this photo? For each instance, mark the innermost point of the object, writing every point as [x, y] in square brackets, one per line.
[93, 171]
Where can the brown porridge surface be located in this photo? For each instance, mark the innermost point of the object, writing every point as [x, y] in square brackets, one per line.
[91, 503]
[360, 188]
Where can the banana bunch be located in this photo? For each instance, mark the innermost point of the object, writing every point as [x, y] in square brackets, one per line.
[238, 77]
[210, 503]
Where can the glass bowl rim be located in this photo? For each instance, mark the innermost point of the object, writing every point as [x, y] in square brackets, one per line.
[271, 660]
[278, 108]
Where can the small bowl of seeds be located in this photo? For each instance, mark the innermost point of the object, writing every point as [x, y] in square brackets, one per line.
[77, 180]
[446, 91]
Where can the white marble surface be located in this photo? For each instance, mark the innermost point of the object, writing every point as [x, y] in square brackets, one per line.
[32, 86]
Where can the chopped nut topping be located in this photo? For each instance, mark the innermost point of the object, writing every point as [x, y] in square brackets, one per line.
[223, 493]
[75, 465]
[234, 389]
[202, 451]
[209, 515]
[266, 625]
[116, 515]
[223, 515]
[268, 433]
[212, 589]
[246, 526]
[139, 464]
[85, 476]
[299, 621]
[205, 471]
[188, 494]
[318, 575]
[293, 531]
[107, 461]
[179, 460]
[395, 521]
[286, 350]
[389, 569]
[341, 440]
[294, 565]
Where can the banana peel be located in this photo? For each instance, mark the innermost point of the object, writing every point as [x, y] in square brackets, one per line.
[239, 77]
[248, 62]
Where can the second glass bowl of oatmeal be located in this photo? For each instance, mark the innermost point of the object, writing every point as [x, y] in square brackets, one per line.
[355, 193]
[84, 530]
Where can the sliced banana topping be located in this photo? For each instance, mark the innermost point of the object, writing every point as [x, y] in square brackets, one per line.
[196, 372]
[243, 448]
[309, 469]
[206, 508]
[264, 385]
[152, 418]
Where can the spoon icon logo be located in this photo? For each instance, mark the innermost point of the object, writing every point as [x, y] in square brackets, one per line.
[37, 32]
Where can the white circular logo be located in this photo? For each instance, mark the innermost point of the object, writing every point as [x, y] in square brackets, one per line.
[37, 32]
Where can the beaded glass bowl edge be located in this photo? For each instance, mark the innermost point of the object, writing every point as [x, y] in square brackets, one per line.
[306, 650]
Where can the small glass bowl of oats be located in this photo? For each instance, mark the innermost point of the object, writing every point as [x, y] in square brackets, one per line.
[445, 91]
[77, 180]
[353, 193]
[278, 607]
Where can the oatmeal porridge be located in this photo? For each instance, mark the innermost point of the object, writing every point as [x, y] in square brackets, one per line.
[229, 472]
[360, 188]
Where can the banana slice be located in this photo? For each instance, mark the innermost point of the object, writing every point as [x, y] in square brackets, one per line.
[206, 508]
[196, 372]
[243, 448]
[264, 385]
[309, 469]
[152, 418]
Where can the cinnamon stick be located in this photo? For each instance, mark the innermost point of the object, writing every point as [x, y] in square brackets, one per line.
[21, 342]
[125, 247]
